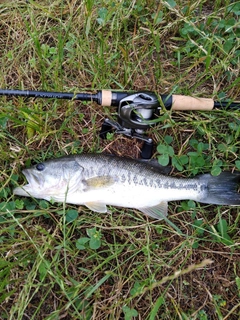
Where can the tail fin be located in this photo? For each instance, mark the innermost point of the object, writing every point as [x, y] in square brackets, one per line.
[222, 189]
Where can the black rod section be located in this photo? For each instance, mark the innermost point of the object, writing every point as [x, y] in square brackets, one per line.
[52, 95]
[226, 105]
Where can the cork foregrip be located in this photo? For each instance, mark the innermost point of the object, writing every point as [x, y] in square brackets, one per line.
[106, 98]
[180, 102]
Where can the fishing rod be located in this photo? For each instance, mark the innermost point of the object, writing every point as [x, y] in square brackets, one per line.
[136, 110]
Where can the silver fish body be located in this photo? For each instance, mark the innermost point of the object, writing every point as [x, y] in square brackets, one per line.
[97, 180]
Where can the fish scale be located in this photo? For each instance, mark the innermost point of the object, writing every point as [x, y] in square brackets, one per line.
[149, 178]
[98, 180]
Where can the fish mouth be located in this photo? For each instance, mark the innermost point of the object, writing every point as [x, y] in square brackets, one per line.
[32, 178]
[34, 182]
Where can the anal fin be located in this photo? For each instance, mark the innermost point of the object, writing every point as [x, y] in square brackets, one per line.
[159, 212]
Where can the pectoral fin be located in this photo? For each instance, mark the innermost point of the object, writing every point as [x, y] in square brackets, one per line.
[99, 182]
[96, 206]
[157, 212]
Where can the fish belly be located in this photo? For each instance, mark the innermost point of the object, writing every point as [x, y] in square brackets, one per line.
[124, 195]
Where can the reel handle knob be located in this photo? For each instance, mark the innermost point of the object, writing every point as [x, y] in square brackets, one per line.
[147, 149]
[106, 128]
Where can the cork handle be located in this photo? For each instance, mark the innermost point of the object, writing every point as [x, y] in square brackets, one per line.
[180, 102]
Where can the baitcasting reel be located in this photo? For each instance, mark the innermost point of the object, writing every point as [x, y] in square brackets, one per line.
[135, 115]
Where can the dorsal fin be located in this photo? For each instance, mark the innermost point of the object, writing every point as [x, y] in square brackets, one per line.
[154, 164]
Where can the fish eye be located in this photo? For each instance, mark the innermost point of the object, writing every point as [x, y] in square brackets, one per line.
[40, 166]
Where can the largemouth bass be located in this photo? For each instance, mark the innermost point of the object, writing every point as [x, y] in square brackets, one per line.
[97, 180]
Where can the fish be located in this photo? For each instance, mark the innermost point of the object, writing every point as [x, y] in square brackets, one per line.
[100, 180]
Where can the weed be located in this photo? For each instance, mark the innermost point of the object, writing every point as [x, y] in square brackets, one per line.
[93, 239]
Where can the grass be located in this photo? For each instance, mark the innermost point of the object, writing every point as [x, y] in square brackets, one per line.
[65, 262]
